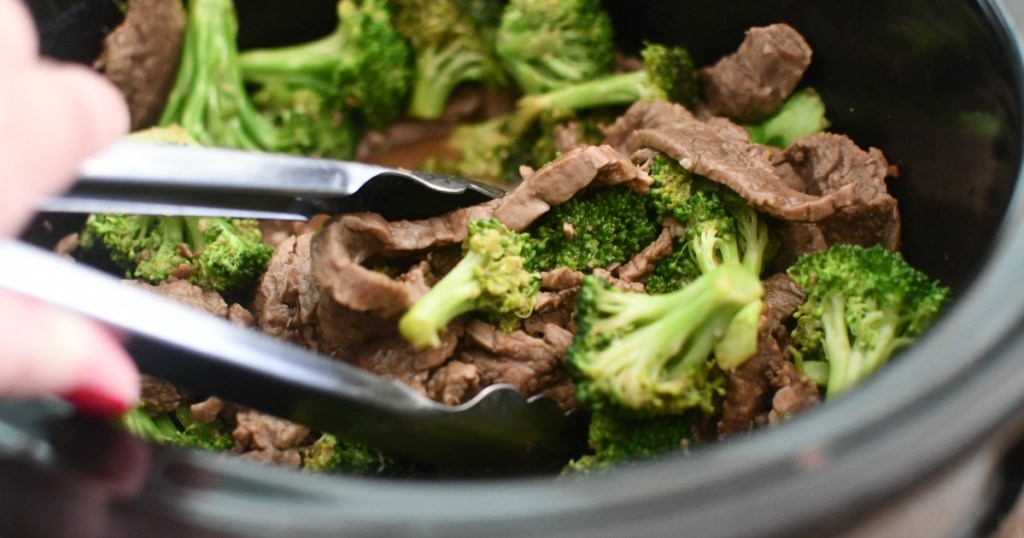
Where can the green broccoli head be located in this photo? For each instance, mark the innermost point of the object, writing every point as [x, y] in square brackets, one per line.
[492, 277]
[225, 255]
[311, 123]
[863, 304]
[330, 454]
[615, 441]
[802, 114]
[232, 258]
[674, 271]
[671, 75]
[594, 229]
[209, 99]
[179, 428]
[452, 44]
[651, 355]
[548, 44]
[720, 227]
[364, 66]
[668, 75]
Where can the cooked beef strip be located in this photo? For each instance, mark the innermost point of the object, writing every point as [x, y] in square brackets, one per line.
[752, 83]
[141, 56]
[207, 410]
[339, 251]
[795, 392]
[393, 357]
[286, 296]
[158, 396]
[209, 301]
[842, 187]
[642, 264]
[558, 181]
[827, 163]
[454, 383]
[265, 438]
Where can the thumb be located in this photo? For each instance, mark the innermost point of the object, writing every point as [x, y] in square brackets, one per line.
[49, 351]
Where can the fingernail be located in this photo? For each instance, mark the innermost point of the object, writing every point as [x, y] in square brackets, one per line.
[97, 402]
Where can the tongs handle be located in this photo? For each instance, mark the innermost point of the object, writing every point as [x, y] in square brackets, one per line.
[141, 177]
[190, 347]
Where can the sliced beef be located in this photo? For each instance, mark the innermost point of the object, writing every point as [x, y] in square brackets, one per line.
[750, 388]
[532, 363]
[751, 84]
[794, 392]
[209, 301]
[286, 297]
[158, 396]
[339, 251]
[264, 438]
[141, 56]
[642, 265]
[840, 186]
[207, 410]
[454, 383]
[558, 181]
[395, 358]
[828, 163]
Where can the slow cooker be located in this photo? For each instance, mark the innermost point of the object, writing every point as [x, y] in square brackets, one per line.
[929, 447]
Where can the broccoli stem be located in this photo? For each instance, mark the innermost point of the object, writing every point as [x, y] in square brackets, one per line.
[305, 64]
[623, 89]
[438, 72]
[837, 346]
[452, 296]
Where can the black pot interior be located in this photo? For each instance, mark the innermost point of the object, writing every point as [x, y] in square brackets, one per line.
[935, 85]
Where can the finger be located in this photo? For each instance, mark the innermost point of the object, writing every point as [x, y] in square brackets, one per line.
[50, 352]
[18, 39]
[51, 117]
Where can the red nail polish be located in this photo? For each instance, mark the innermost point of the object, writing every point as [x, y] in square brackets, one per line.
[96, 402]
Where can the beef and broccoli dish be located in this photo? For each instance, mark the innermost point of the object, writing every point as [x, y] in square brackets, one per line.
[685, 253]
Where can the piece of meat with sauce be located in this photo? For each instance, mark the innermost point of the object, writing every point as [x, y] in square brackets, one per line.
[348, 241]
[141, 56]
[268, 439]
[827, 163]
[393, 357]
[559, 180]
[824, 179]
[191, 295]
[751, 84]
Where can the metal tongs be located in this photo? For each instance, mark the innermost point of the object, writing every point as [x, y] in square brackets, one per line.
[137, 177]
[498, 430]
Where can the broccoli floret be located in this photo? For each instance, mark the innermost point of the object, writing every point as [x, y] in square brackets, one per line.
[668, 75]
[616, 441]
[492, 277]
[802, 114]
[720, 227]
[863, 304]
[330, 454]
[221, 254]
[179, 428]
[313, 124]
[209, 98]
[651, 354]
[673, 271]
[593, 229]
[452, 43]
[364, 65]
[550, 44]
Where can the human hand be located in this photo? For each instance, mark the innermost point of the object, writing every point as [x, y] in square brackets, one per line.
[51, 117]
